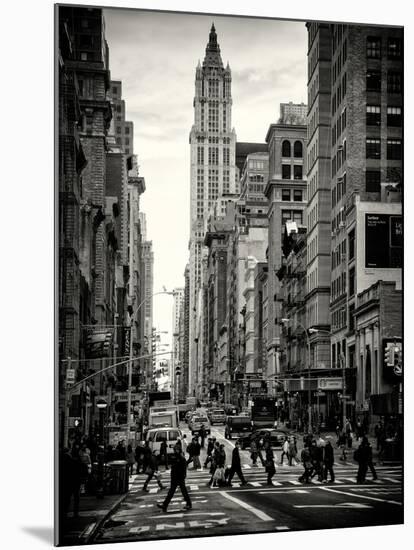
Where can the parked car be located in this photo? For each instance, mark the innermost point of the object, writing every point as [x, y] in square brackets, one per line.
[217, 416]
[277, 437]
[237, 426]
[155, 437]
[197, 421]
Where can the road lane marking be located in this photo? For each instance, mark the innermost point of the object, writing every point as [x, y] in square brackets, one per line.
[261, 515]
[182, 514]
[349, 505]
[360, 496]
[88, 530]
[282, 492]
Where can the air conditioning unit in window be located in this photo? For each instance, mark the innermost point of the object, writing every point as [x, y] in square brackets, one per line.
[340, 179]
[341, 225]
[340, 147]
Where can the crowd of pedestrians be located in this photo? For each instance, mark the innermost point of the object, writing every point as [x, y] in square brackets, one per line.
[83, 465]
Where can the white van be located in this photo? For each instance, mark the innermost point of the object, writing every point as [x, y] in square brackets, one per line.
[155, 437]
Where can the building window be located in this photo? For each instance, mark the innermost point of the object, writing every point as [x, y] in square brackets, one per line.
[285, 194]
[297, 195]
[297, 172]
[127, 129]
[297, 216]
[298, 150]
[126, 141]
[351, 244]
[118, 130]
[373, 81]
[352, 281]
[394, 83]
[394, 149]
[286, 216]
[114, 90]
[286, 171]
[372, 181]
[373, 149]
[351, 323]
[394, 48]
[286, 149]
[373, 47]
[394, 117]
[373, 115]
[84, 56]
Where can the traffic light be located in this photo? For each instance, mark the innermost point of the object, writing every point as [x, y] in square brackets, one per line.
[78, 423]
[398, 359]
[178, 371]
[389, 354]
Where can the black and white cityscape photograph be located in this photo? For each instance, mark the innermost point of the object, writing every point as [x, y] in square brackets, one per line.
[229, 274]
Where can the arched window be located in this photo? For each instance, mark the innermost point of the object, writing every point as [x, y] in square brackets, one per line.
[298, 150]
[286, 149]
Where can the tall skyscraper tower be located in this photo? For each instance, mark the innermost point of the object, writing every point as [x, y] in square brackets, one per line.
[213, 169]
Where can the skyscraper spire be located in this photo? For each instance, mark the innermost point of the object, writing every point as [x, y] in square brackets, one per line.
[213, 57]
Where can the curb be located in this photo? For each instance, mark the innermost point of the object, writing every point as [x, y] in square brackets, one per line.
[88, 538]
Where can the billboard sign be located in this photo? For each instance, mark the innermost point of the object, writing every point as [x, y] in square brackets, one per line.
[383, 241]
[98, 342]
[330, 384]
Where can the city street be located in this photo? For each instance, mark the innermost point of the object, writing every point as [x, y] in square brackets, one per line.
[287, 505]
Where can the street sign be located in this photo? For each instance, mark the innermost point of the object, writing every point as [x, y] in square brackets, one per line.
[70, 376]
[330, 383]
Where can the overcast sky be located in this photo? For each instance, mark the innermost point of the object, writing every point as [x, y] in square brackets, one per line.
[155, 55]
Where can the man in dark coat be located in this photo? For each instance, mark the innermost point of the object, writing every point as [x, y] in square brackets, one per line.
[236, 465]
[328, 460]
[363, 455]
[178, 475]
[70, 479]
[202, 434]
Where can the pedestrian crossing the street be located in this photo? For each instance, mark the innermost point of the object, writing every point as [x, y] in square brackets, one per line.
[198, 480]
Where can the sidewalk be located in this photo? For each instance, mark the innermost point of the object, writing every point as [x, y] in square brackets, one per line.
[93, 512]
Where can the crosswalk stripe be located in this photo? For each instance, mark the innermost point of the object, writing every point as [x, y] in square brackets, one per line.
[255, 483]
[316, 481]
[235, 484]
[337, 481]
[247, 466]
[294, 482]
[351, 479]
[378, 481]
[194, 487]
[152, 491]
[391, 479]
[276, 483]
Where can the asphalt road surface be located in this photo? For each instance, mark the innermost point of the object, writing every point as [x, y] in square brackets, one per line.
[288, 505]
